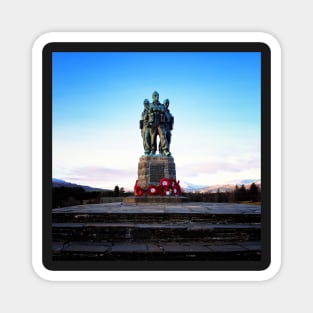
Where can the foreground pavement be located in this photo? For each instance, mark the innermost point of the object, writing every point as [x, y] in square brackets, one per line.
[184, 231]
[190, 207]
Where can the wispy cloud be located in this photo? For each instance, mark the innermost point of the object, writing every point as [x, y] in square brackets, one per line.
[214, 167]
[208, 172]
[223, 171]
[100, 176]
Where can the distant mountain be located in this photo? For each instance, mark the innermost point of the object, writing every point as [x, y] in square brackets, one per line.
[215, 188]
[188, 187]
[62, 183]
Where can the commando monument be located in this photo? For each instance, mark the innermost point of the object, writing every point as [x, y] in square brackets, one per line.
[156, 181]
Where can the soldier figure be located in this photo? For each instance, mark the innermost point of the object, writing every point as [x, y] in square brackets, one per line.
[169, 123]
[157, 120]
[143, 125]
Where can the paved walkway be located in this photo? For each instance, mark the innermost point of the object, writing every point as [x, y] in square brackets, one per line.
[190, 207]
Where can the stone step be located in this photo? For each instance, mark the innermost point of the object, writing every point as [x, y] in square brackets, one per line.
[156, 217]
[155, 232]
[182, 231]
[249, 250]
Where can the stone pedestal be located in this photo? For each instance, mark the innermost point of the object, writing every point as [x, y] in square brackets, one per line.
[152, 168]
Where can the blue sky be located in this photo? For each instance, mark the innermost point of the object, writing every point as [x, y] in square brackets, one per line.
[98, 100]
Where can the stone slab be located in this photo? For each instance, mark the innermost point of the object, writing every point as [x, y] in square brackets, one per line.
[251, 245]
[160, 208]
[227, 248]
[86, 247]
[155, 252]
[92, 247]
[129, 248]
[154, 199]
[185, 248]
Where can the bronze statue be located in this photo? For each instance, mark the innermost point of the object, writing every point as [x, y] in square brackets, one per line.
[143, 125]
[156, 123]
[169, 123]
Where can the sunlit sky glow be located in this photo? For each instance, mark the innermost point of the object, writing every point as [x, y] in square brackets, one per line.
[215, 98]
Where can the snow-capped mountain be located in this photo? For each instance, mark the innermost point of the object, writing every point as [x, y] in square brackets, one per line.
[188, 187]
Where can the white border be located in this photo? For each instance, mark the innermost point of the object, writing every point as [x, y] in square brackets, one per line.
[266, 274]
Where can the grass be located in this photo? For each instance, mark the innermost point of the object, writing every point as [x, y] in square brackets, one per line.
[250, 202]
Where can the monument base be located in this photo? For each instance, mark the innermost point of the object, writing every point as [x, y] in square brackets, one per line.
[152, 168]
[155, 199]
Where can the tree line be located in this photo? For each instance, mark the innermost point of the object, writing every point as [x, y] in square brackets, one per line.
[69, 196]
[239, 194]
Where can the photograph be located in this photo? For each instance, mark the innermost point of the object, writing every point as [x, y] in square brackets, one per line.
[156, 156]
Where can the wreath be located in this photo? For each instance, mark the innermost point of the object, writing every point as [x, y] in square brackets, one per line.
[176, 190]
[172, 182]
[138, 191]
[164, 182]
[166, 187]
[153, 190]
[162, 190]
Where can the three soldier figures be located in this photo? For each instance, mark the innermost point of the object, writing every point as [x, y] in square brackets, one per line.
[156, 120]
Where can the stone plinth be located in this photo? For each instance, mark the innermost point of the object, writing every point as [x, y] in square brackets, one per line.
[154, 199]
[152, 168]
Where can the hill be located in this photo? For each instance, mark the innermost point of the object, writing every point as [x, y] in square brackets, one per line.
[62, 183]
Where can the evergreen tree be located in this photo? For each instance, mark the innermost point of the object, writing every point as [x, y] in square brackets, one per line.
[254, 193]
[219, 195]
[236, 194]
[243, 193]
[116, 192]
[122, 191]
